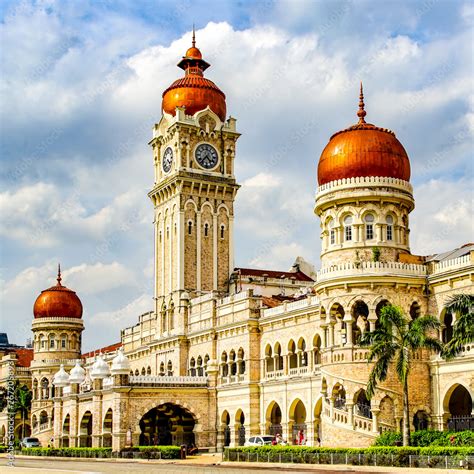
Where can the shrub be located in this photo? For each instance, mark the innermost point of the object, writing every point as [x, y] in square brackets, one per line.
[389, 438]
[69, 452]
[3, 449]
[424, 438]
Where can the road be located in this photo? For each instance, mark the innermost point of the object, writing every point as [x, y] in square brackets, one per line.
[60, 466]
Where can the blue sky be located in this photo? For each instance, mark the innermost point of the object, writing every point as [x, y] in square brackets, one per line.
[81, 88]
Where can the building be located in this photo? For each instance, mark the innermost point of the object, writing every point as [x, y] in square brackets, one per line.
[229, 353]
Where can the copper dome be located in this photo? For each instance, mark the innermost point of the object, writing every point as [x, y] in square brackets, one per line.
[363, 150]
[58, 302]
[194, 91]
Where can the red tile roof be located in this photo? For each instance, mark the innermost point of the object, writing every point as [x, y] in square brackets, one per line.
[300, 276]
[102, 350]
[24, 356]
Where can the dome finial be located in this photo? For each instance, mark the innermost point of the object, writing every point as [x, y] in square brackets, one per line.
[361, 112]
[58, 279]
[194, 37]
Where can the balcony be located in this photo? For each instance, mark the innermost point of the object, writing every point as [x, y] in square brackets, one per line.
[168, 380]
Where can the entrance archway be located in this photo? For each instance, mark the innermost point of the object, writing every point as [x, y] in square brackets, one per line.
[458, 402]
[107, 429]
[85, 431]
[225, 423]
[297, 418]
[66, 431]
[240, 427]
[167, 424]
[274, 419]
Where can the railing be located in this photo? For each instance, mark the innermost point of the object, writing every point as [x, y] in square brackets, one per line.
[286, 307]
[275, 374]
[458, 262]
[363, 410]
[340, 415]
[237, 297]
[167, 380]
[461, 423]
[362, 423]
[361, 182]
[367, 268]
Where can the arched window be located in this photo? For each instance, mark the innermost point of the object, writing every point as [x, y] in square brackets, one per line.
[206, 360]
[51, 341]
[222, 231]
[162, 369]
[63, 341]
[136, 372]
[200, 368]
[190, 227]
[206, 229]
[148, 370]
[170, 368]
[42, 341]
[332, 232]
[369, 226]
[389, 228]
[348, 228]
[143, 371]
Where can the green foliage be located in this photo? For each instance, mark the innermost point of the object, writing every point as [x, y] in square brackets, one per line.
[379, 455]
[463, 329]
[69, 452]
[429, 438]
[3, 449]
[389, 438]
[375, 254]
[166, 452]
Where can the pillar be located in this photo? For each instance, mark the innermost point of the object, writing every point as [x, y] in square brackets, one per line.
[331, 408]
[350, 413]
[349, 340]
[375, 420]
[331, 334]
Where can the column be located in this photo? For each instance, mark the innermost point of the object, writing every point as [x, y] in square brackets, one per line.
[285, 364]
[215, 231]
[331, 408]
[349, 340]
[331, 333]
[372, 318]
[198, 253]
[375, 420]
[324, 338]
[350, 413]
[181, 231]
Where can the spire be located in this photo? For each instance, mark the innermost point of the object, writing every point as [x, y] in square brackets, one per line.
[361, 112]
[194, 37]
[58, 279]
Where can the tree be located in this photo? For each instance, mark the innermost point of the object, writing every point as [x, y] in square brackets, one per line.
[22, 404]
[394, 341]
[463, 330]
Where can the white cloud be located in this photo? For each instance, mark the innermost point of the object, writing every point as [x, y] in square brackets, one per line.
[278, 257]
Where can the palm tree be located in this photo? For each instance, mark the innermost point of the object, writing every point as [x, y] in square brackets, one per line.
[463, 330]
[395, 340]
[22, 404]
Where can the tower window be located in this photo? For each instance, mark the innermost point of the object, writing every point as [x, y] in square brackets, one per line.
[348, 228]
[206, 229]
[51, 343]
[369, 226]
[332, 232]
[389, 228]
[190, 227]
[222, 231]
[63, 343]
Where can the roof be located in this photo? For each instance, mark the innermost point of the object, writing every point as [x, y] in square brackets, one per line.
[24, 356]
[449, 255]
[102, 350]
[277, 300]
[300, 276]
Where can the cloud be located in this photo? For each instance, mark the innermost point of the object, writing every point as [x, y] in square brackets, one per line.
[278, 257]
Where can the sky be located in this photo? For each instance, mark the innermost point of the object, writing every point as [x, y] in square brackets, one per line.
[81, 86]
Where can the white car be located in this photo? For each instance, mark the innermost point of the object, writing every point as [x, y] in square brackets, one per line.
[30, 443]
[260, 440]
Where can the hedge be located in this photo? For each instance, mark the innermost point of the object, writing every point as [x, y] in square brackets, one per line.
[428, 438]
[3, 449]
[375, 455]
[147, 452]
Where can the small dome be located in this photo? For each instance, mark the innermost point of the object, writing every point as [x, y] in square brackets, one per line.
[120, 363]
[193, 91]
[58, 302]
[77, 374]
[363, 150]
[61, 377]
[100, 369]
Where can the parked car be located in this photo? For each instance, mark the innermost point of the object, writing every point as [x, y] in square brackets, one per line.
[260, 440]
[30, 443]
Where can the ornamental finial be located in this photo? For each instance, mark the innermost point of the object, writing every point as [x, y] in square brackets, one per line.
[194, 37]
[361, 112]
[58, 279]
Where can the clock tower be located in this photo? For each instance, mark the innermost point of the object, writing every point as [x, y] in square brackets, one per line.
[194, 191]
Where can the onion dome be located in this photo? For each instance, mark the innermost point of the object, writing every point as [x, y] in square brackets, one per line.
[363, 150]
[61, 377]
[120, 363]
[194, 91]
[77, 374]
[100, 369]
[58, 302]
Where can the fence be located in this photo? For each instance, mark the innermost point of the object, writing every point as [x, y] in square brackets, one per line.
[358, 459]
[461, 423]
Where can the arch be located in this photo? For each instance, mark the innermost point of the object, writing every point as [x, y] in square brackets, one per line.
[387, 413]
[278, 356]
[458, 401]
[107, 429]
[167, 424]
[143, 371]
[360, 314]
[362, 404]
[448, 321]
[240, 427]
[44, 388]
[421, 420]
[297, 420]
[339, 396]
[415, 310]
[317, 349]
[43, 417]
[225, 424]
[292, 356]
[274, 418]
[85, 430]
[169, 368]
[148, 370]
[64, 441]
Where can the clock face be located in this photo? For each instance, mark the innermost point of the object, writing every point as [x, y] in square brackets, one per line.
[206, 156]
[167, 159]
